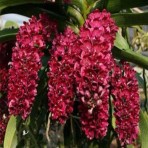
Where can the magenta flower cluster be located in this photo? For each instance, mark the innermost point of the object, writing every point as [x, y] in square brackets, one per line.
[92, 73]
[126, 103]
[61, 84]
[85, 65]
[4, 115]
[81, 69]
[5, 55]
[26, 62]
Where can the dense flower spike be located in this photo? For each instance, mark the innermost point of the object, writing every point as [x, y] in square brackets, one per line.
[5, 54]
[26, 62]
[4, 115]
[92, 72]
[126, 103]
[61, 91]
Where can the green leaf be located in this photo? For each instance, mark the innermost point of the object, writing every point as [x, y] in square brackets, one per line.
[140, 80]
[130, 146]
[10, 140]
[130, 19]
[120, 42]
[10, 24]
[81, 4]
[131, 56]
[113, 121]
[95, 5]
[8, 3]
[143, 129]
[76, 15]
[117, 5]
[8, 34]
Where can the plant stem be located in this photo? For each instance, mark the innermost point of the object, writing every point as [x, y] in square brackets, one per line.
[117, 139]
[48, 128]
[110, 119]
[72, 131]
[145, 91]
[32, 136]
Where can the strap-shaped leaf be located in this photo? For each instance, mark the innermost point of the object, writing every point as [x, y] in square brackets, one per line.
[117, 5]
[8, 34]
[140, 80]
[120, 42]
[131, 56]
[81, 4]
[8, 3]
[130, 19]
[10, 140]
[76, 15]
[144, 129]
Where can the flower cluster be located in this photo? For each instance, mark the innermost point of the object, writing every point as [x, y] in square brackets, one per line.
[4, 115]
[126, 102]
[61, 82]
[5, 54]
[26, 62]
[80, 69]
[92, 72]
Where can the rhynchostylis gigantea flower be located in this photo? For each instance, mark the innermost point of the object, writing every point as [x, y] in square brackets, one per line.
[92, 70]
[126, 102]
[26, 63]
[61, 82]
[4, 115]
[5, 56]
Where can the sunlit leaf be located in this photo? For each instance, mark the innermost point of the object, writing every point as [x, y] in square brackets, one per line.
[140, 80]
[130, 146]
[120, 42]
[144, 129]
[76, 15]
[10, 24]
[81, 4]
[10, 140]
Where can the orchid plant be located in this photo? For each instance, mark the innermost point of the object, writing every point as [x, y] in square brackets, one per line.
[68, 76]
